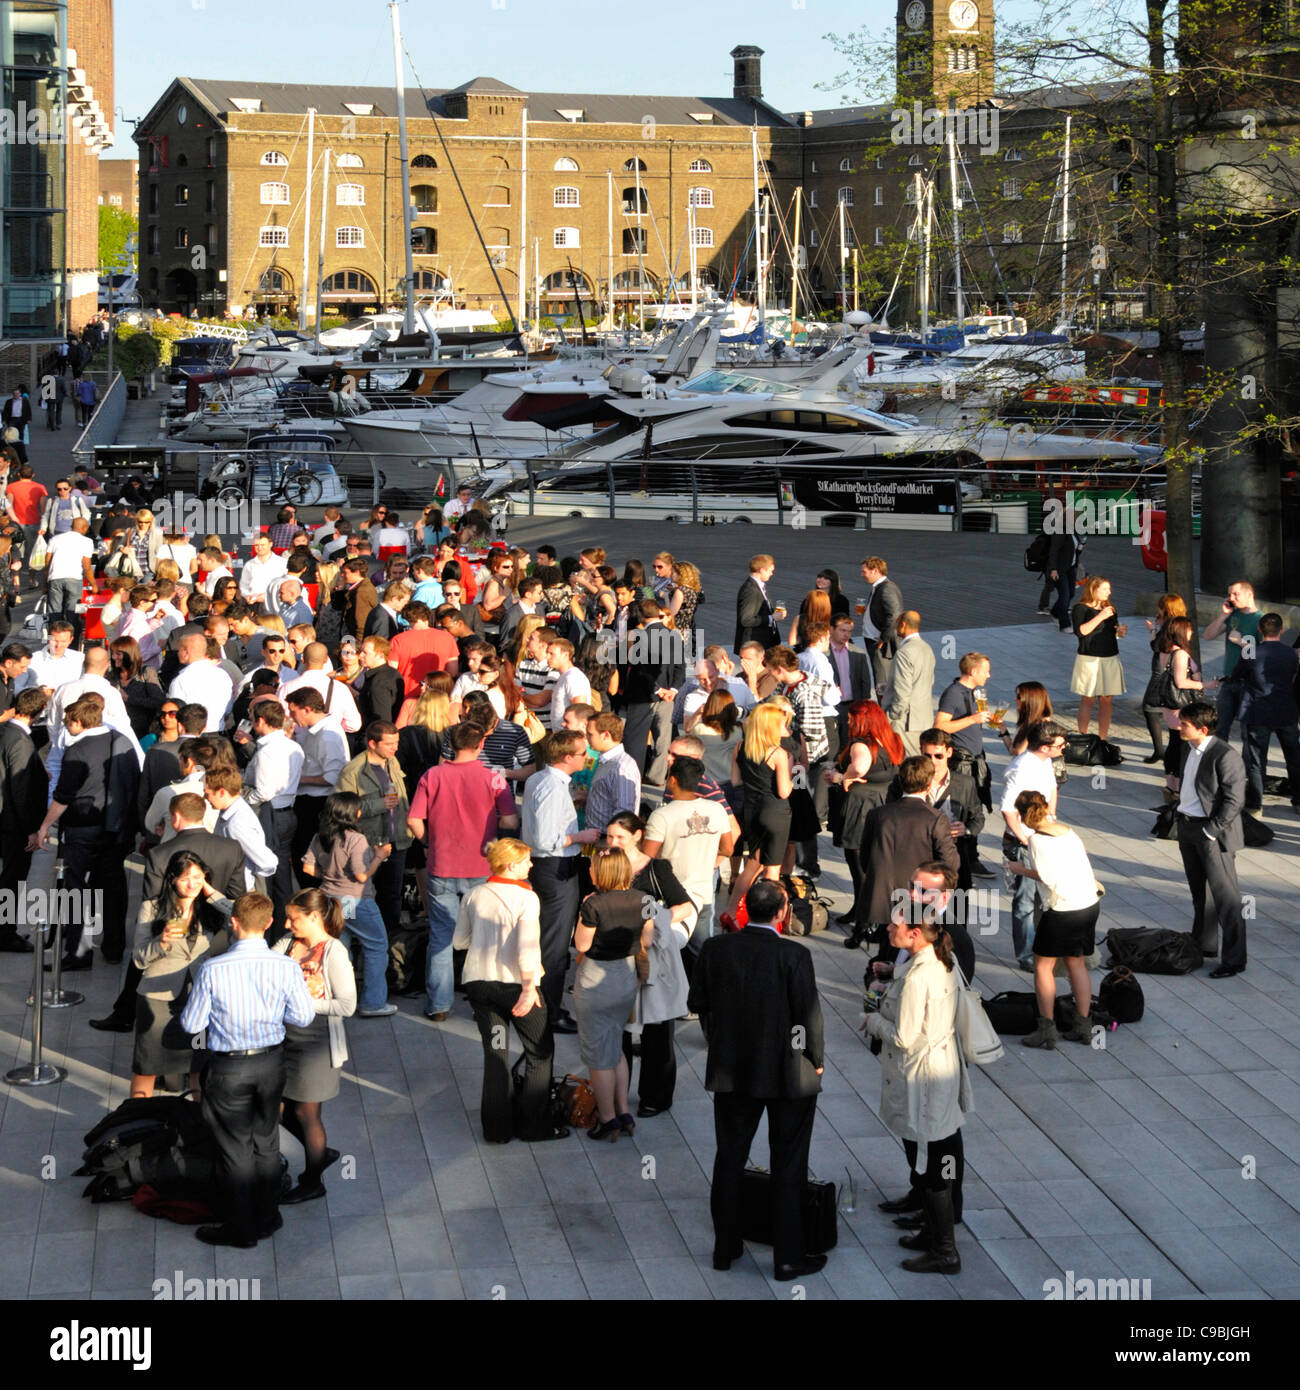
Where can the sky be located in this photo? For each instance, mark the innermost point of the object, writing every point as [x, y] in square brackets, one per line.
[543, 45]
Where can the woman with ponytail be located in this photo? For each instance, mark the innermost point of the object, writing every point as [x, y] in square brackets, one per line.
[314, 1055]
[925, 1092]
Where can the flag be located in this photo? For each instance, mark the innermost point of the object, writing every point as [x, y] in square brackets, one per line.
[441, 490]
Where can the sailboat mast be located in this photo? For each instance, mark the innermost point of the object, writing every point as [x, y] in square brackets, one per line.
[306, 224]
[794, 265]
[523, 228]
[320, 258]
[844, 256]
[690, 239]
[956, 227]
[1065, 219]
[924, 194]
[640, 247]
[408, 317]
[609, 238]
[759, 298]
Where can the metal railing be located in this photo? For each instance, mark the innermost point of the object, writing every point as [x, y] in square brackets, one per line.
[105, 422]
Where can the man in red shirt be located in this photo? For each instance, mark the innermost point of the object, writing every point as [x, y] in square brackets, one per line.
[461, 805]
[26, 497]
[422, 649]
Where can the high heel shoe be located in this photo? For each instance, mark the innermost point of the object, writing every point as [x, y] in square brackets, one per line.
[608, 1131]
[1154, 758]
[855, 938]
[627, 1123]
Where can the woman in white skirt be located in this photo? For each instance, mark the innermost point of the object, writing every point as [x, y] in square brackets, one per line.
[1098, 673]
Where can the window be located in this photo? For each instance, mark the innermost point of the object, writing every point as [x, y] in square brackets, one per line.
[1011, 188]
[812, 198]
[880, 236]
[212, 150]
[349, 161]
[153, 199]
[424, 241]
[424, 198]
[566, 238]
[878, 196]
[497, 197]
[182, 195]
[573, 115]
[963, 58]
[115, 200]
[424, 161]
[910, 195]
[630, 282]
[153, 278]
[702, 236]
[846, 166]
[702, 166]
[360, 108]
[274, 281]
[275, 193]
[182, 238]
[210, 201]
[182, 161]
[153, 241]
[1121, 185]
[701, 117]
[349, 195]
[914, 162]
[431, 280]
[349, 236]
[701, 197]
[880, 161]
[348, 282]
[1012, 234]
[634, 166]
[275, 159]
[248, 105]
[635, 201]
[1013, 156]
[210, 236]
[812, 166]
[273, 236]
[635, 241]
[566, 196]
[845, 196]
[813, 238]
[566, 166]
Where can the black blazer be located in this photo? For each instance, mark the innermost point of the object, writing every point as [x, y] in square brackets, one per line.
[24, 785]
[657, 661]
[883, 610]
[381, 695]
[895, 839]
[381, 623]
[756, 995]
[754, 621]
[224, 858]
[963, 795]
[859, 676]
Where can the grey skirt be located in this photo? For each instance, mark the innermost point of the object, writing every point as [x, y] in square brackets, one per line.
[150, 1057]
[308, 1074]
[603, 995]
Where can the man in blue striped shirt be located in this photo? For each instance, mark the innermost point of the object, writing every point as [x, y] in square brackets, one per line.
[242, 1000]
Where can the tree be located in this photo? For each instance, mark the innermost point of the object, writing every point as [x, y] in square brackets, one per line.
[115, 225]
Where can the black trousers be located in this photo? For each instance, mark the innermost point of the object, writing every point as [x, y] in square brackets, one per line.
[658, 1079]
[1206, 865]
[555, 880]
[806, 855]
[278, 826]
[492, 1001]
[945, 1163]
[241, 1104]
[13, 872]
[95, 861]
[789, 1128]
[388, 889]
[306, 810]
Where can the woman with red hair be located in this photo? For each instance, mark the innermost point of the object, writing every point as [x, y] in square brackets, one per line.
[864, 771]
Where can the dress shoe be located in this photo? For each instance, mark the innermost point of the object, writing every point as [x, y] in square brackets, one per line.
[564, 1024]
[648, 1112]
[302, 1193]
[810, 1264]
[911, 1202]
[18, 944]
[723, 1262]
[855, 939]
[223, 1235]
[441, 1016]
[982, 870]
[1226, 972]
[113, 1024]
[845, 919]
[911, 1221]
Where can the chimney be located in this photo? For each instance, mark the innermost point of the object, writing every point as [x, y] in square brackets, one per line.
[807, 119]
[748, 84]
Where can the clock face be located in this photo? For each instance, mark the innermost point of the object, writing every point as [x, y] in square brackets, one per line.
[915, 14]
[963, 14]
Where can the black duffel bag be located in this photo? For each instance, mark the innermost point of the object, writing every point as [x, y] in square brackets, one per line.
[821, 1230]
[1013, 1013]
[1090, 750]
[1256, 833]
[1154, 950]
[1121, 995]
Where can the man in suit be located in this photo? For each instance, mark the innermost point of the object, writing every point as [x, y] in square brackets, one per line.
[754, 618]
[852, 670]
[354, 596]
[656, 670]
[1212, 794]
[954, 793]
[910, 705]
[1268, 707]
[896, 837]
[224, 858]
[24, 790]
[383, 619]
[383, 691]
[756, 995]
[879, 631]
[528, 604]
[1064, 551]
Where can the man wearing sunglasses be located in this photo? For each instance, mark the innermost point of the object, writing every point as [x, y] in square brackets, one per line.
[956, 796]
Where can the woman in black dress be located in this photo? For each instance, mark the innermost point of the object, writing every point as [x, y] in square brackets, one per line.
[762, 766]
[829, 580]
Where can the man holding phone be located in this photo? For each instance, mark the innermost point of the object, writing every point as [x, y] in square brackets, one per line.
[1238, 618]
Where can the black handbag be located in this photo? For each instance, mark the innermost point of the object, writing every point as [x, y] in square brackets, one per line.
[1089, 750]
[1013, 1012]
[820, 1218]
[1170, 696]
[1121, 995]
[1166, 826]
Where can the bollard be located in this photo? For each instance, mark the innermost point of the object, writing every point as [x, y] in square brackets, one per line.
[56, 997]
[37, 1072]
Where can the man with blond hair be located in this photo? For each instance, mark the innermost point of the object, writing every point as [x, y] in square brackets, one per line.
[754, 615]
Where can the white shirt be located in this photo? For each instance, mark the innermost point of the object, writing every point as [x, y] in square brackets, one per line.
[817, 663]
[341, 703]
[66, 554]
[213, 578]
[570, 688]
[1062, 866]
[1189, 804]
[274, 771]
[1027, 773]
[160, 806]
[54, 671]
[392, 535]
[325, 754]
[239, 822]
[205, 683]
[869, 630]
[183, 553]
[257, 575]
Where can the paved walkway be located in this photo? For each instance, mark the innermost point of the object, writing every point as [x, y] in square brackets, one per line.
[1169, 1155]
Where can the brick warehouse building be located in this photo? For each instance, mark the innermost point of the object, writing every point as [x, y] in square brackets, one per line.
[223, 182]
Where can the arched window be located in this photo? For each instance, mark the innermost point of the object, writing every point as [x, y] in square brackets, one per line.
[496, 238]
[845, 196]
[349, 161]
[182, 195]
[497, 164]
[348, 284]
[627, 282]
[560, 283]
[424, 241]
[813, 238]
[182, 238]
[275, 193]
[153, 278]
[846, 166]
[349, 236]
[275, 281]
[424, 161]
[566, 165]
[635, 201]
[566, 196]
[700, 166]
[566, 238]
[634, 166]
[182, 161]
[432, 281]
[275, 158]
[702, 236]
[350, 195]
[701, 197]
[424, 197]
[273, 236]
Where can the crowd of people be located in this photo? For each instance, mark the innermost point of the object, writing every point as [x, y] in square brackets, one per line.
[360, 731]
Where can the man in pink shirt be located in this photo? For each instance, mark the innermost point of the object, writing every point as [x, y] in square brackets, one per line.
[457, 808]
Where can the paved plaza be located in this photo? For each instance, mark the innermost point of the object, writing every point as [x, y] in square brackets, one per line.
[1170, 1155]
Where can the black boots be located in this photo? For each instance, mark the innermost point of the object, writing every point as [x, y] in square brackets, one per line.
[941, 1255]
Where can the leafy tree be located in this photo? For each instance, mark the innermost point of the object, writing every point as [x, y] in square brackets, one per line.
[115, 225]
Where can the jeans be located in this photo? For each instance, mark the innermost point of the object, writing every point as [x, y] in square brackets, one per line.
[365, 923]
[445, 895]
[63, 597]
[1227, 704]
[1064, 583]
[388, 888]
[1254, 752]
[1022, 892]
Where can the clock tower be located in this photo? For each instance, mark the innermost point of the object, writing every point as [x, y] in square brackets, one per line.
[945, 51]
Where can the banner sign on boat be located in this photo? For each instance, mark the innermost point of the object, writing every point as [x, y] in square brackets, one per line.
[909, 496]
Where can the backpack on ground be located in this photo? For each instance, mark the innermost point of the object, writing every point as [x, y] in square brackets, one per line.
[1154, 950]
[1121, 995]
[808, 912]
[1013, 1013]
[161, 1141]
